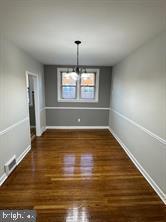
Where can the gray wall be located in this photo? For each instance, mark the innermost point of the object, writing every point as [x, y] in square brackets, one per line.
[68, 117]
[138, 102]
[14, 123]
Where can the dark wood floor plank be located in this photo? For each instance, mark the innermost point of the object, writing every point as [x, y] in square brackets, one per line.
[81, 176]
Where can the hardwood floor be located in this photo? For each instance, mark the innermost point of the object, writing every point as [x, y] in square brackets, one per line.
[81, 176]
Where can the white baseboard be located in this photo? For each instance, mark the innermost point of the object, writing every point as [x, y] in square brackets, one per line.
[21, 157]
[153, 184]
[77, 127]
[43, 129]
[3, 178]
[18, 160]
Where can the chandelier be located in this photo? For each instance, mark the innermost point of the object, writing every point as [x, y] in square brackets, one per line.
[77, 70]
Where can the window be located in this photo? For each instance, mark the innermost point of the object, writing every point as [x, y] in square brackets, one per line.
[73, 89]
[68, 86]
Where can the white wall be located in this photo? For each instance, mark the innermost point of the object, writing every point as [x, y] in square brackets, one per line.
[138, 102]
[14, 123]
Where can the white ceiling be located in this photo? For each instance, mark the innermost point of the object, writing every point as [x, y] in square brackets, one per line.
[109, 29]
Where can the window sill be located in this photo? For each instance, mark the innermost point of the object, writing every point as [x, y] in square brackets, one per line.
[77, 101]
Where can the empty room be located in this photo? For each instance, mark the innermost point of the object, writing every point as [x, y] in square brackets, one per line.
[83, 110]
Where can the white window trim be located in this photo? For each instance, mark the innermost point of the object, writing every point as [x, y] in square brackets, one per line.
[77, 100]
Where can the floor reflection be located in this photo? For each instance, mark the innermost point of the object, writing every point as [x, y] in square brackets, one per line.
[33, 164]
[82, 165]
[86, 165]
[69, 164]
[77, 215]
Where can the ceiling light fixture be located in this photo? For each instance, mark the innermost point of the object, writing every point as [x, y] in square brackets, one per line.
[77, 70]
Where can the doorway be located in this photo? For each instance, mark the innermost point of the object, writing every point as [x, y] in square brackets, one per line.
[33, 104]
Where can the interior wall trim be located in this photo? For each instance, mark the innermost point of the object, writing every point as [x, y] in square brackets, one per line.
[42, 109]
[153, 184]
[14, 125]
[18, 160]
[23, 154]
[161, 140]
[77, 127]
[3, 178]
[43, 129]
[91, 108]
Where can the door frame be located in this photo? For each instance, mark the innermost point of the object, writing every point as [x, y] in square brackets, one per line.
[36, 100]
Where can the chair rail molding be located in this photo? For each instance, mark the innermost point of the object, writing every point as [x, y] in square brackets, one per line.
[91, 108]
[161, 140]
[14, 125]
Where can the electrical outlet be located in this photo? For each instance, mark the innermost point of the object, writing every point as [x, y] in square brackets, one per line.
[78, 120]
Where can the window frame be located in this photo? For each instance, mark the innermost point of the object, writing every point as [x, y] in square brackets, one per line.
[61, 87]
[90, 86]
[78, 87]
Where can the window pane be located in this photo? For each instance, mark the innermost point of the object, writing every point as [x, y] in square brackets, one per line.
[68, 79]
[87, 93]
[68, 92]
[88, 79]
